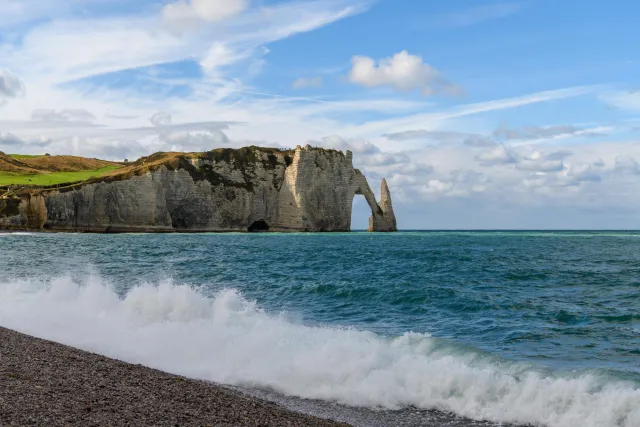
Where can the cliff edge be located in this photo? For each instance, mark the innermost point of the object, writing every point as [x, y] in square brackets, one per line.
[249, 189]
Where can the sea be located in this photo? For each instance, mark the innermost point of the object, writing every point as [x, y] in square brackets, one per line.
[404, 329]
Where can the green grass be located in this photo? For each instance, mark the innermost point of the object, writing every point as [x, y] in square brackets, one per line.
[52, 178]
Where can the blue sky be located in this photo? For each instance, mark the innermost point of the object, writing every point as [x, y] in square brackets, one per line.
[480, 114]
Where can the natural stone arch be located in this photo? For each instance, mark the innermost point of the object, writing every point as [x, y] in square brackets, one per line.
[382, 218]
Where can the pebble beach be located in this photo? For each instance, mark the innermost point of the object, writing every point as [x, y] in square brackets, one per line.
[43, 383]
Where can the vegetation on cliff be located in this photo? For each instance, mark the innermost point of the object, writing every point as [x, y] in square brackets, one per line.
[243, 159]
[69, 172]
[44, 170]
[11, 165]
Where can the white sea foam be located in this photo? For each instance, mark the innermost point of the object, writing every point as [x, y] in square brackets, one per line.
[229, 340]
[16, 233]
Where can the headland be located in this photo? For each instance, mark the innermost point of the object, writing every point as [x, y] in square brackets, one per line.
[249, 189]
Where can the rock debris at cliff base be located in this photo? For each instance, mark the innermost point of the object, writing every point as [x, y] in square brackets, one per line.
[47, 384]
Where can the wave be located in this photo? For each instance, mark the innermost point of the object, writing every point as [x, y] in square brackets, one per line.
[228, 339]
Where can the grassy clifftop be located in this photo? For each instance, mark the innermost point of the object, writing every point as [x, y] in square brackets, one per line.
[50, 170]
[11, 165]
[241, 158]
[66, 163]
[69, 171]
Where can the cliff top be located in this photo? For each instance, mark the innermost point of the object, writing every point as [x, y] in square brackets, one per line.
[69, 171]
[40, 164]
[66, 163]
[239, 157]
[9, 164]
[45, 170]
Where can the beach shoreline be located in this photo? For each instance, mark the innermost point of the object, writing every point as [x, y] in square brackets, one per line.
[46, 383]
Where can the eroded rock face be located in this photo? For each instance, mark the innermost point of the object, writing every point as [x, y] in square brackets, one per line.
[27, 212]
[385, 220]
[252, 190]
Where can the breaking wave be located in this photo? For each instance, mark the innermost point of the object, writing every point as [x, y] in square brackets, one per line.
[227, 339]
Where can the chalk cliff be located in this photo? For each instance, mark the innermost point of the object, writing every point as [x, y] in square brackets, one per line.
[249, 189]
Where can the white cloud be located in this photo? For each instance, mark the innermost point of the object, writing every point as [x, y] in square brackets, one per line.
[629, 100]
[459, 183]
[120, 117]
[80, 138]
[502, 133]
[403, 71]
[307, 82]
[524, 180]
[584, 172]
[416, 168]
[20, 12]
[65, 115]
[535, 132]
[161, 119]
[409, 135]
[103, 147]
[573, 176]
[365, 153]
[541, 166]
[558, 155]
[8, 139]
[538, 162]
[500, 155]
[194, 141]
[64, 50]
[11, 86]
[358, 146]
[220, 55]
[11, 141]
[475, 140]
[185, 13]
[627, 164]
[443, 137]
[436, 119]
[437, 186]
[528, 133]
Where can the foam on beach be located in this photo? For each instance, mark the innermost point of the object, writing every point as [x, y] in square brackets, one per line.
[227, 339]
[48, 384]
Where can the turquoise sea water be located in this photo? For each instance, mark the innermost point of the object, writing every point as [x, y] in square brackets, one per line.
[520, 327]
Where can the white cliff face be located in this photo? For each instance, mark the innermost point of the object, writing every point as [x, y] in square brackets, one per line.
[250, 189]
[318, 191]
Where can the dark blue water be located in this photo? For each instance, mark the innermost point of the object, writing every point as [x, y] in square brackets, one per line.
[555, 305]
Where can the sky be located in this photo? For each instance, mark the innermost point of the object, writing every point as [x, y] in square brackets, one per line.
[480, 114]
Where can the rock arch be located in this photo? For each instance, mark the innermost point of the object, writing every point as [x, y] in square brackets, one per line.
[382, 219]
